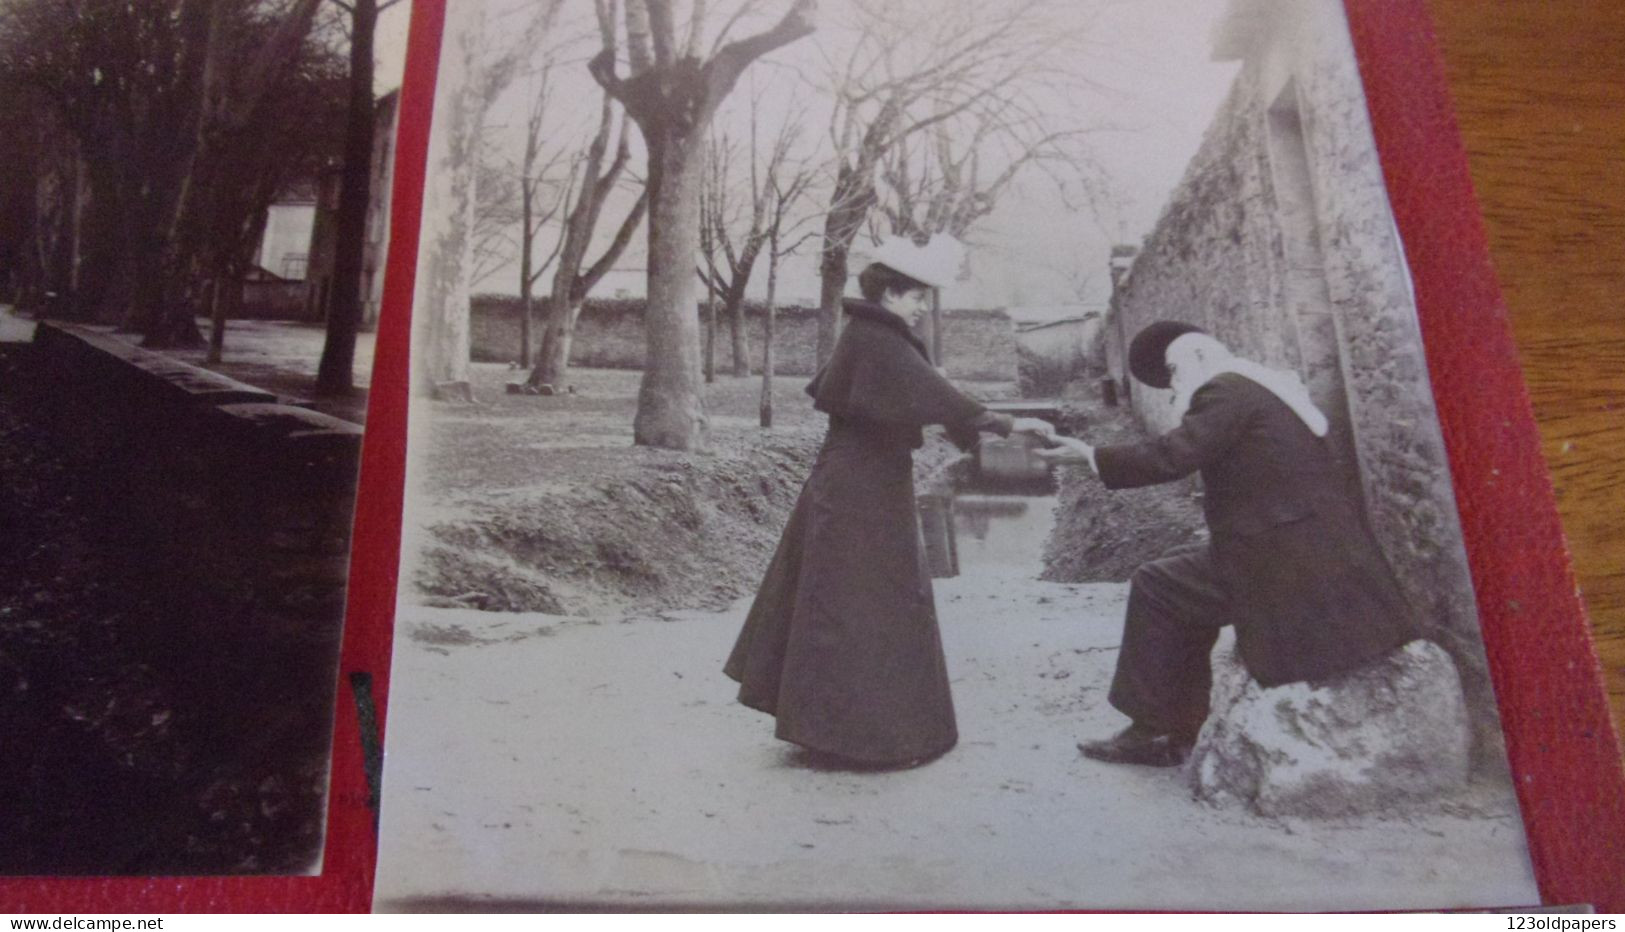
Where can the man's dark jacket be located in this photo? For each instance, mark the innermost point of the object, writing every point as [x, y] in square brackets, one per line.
[1311, 593]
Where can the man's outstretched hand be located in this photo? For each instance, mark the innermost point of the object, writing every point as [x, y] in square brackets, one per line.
[1067, 450]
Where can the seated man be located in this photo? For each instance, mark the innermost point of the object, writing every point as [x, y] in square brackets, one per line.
[1291, 561]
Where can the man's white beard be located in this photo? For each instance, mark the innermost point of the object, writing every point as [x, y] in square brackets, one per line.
[1284, 384]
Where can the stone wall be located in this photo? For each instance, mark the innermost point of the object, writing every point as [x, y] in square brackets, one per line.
[245, 500]
[275, 300]
[980, 345]
[1224, 255]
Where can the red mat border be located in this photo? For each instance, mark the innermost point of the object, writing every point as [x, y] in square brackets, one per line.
[1563, 752]
[345, 883]
[1560, 739]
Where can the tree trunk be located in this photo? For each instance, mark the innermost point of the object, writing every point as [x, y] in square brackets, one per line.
[768, 313]
[553, 361]
[733, 303]
[527, 307]
[159, 311]
[441, 304]
[81, 200]
[831, 288]
[335, 374]
[851, 203]
[527, 241]
[741, 339]
[710, 335]
[671, 407]
[217, 314]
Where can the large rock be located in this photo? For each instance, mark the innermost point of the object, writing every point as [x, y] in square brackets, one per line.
[1394, 729]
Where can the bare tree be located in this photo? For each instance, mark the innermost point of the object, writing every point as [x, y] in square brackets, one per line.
[151, 91]
[520, 195]
[297, 140]
[335, 372]
[227, 105]
[922, 70]
[728, 249]
[672, 91]
[39, 215]
[736, 234]
[947, 179]
[592, 182]
[786, 183]
[739, 215]
[441, 306]
[959, 178]
[536, 208]
[496, 218]
[713, 206]
[470, 78]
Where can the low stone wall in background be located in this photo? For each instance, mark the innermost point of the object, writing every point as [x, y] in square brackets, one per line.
[979, 345]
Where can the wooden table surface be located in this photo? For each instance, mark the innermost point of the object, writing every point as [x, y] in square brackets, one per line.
[1539, 89]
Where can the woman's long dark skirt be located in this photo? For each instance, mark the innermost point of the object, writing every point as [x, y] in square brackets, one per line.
[841, 644]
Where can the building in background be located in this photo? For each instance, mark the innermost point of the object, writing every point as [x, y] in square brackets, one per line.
[297, 251]
[1059, 334]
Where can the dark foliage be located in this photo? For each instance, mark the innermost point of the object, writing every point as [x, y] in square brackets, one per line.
[108, 99]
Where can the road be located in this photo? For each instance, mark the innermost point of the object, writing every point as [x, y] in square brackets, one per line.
[540, 761]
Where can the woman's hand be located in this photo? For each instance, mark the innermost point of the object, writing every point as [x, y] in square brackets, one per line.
[1038, 427]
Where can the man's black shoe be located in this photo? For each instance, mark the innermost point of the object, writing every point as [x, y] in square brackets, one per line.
[1139, 745]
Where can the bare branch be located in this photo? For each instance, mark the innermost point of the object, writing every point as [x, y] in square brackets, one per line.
[725, 67]
[696, 30]
[662, 31]
[612, 253]
[739, 13]
[638, 49]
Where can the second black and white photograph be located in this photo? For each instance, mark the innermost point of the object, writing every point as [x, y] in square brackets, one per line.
[926, 456]
[194, 213]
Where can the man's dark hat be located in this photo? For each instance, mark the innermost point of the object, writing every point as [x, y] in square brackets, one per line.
[1147, 353]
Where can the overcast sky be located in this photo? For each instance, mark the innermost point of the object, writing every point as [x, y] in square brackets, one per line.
[389, 46]
[1150, 81]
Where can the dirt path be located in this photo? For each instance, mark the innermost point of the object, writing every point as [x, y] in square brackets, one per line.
[540, 760]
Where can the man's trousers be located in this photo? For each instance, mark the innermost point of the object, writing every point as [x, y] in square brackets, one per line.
[1176, 607]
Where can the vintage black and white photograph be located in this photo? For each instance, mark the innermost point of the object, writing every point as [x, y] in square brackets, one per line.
[926, 455]
[195, 213]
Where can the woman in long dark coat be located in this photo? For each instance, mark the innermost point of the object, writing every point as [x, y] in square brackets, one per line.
[841, 644]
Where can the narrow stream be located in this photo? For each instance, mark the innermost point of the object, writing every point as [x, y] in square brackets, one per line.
[1002, 534]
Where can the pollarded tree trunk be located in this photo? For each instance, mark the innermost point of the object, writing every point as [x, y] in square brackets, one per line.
[553, 357]
[441, 304]
[558, 337]
[557, 344]
[673, 95]
[671, 409]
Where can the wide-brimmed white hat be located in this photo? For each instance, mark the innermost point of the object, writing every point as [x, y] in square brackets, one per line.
[936, 263]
